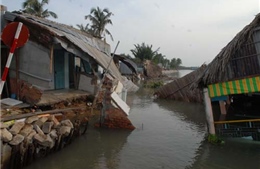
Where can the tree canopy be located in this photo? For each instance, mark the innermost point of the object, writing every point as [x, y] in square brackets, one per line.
[34, 7]
[175, 63]
[99, 20]
[145, 52]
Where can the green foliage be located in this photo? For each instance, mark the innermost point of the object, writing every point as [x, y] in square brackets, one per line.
[34, 7]
[86, 28]
[99, 20]
[144, 52]
[158, 58]
[153, 84]
[175, 63]
[214, 139]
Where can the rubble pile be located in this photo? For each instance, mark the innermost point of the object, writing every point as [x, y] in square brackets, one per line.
[113, 116]
[34, 137]
[28, 93]
[152, 70]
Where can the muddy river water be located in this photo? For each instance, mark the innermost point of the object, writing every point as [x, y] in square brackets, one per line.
[168, 134]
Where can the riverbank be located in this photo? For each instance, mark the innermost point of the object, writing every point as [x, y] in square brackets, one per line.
[26, 137]
[168, 72]
[32, 133]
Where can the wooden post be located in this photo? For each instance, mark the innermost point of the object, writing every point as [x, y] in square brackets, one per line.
[51, 58]
[209, 112]
[17, 61]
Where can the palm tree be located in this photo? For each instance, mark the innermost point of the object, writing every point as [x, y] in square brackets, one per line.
[99, 20]
[144, 52]
[34, 7]
[85, 28]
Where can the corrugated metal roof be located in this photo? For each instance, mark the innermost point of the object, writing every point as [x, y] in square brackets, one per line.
[97, 49]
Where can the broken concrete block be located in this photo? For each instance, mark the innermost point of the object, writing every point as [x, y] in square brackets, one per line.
[64, 130]
[17, 127]
[38, 130]
[56, 123]
[6, 136]
[26, 130]
[53, 134]
[52, 141]
[39, 138]
[3, 125]
[44, 140]
[67, 123]
[17, 139]
[40, 121]
[46, 127]
[31, 135]
[8, 123]
[31, 119]
[6, 152]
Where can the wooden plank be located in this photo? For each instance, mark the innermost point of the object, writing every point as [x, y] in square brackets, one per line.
[237, 121]
[21, 116]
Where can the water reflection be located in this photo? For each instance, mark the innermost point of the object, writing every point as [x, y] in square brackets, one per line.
[168, 133]
[236, 153]
[190, 112]
[97, 149]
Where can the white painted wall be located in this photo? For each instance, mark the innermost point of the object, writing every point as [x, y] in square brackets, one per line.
[85, 84]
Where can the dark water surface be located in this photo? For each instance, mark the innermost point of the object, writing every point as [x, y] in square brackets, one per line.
[168, 134]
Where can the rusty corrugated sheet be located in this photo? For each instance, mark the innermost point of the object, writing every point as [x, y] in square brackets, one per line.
[97, 49]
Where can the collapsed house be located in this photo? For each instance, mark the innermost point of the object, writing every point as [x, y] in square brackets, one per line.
[126, 67]
[180, 89]
[56, 57]
[231, 86]
[152, 70]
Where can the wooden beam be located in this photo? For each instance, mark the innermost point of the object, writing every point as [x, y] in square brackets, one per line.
[21, 116]
[237, 121]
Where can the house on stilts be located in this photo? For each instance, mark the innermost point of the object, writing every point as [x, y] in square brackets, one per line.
[231, 86]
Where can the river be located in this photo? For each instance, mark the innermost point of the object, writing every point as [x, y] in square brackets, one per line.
[168, 135]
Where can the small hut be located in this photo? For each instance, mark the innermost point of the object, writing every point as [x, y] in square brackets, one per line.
[232, 80]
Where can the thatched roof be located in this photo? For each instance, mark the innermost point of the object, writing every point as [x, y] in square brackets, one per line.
[179, 89]
[217, 70]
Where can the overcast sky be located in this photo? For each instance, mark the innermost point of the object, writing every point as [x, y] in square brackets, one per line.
[193, 30]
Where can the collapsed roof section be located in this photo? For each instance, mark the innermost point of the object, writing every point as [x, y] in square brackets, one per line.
[48, 33]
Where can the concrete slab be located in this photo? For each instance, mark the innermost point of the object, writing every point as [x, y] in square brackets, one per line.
[120, 103]
[55, 96]
[10, 101]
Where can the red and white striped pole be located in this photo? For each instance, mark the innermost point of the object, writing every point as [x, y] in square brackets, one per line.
[10, 56]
